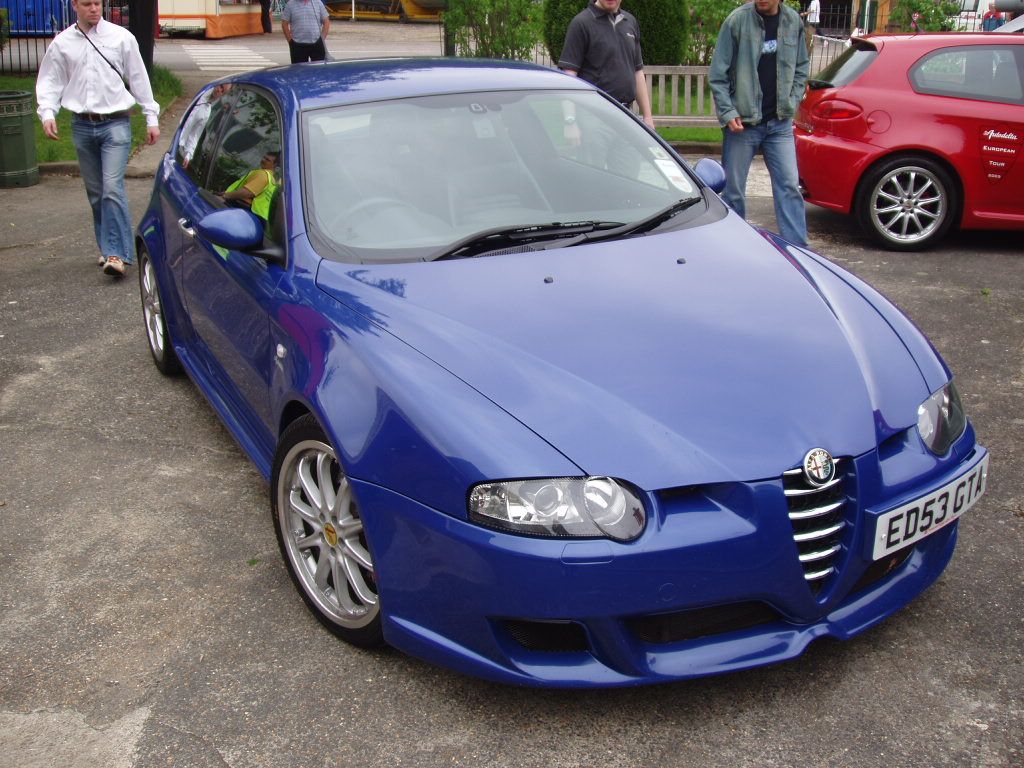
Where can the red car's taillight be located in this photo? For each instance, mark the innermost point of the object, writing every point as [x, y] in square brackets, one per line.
[835, 109]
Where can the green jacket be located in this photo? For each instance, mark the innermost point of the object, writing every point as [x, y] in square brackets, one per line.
[733, 74]
[260, 203]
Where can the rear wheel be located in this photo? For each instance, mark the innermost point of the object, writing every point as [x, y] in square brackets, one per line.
[320, 532]
[907, 203]
[153, 315]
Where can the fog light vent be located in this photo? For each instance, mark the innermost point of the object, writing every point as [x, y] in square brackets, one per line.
[548, 636]
[678, 626]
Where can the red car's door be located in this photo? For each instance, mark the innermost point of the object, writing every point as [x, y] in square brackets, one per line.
[978, 91]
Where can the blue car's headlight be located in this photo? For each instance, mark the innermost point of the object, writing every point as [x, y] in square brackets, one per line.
[941, 420]
[560, 506]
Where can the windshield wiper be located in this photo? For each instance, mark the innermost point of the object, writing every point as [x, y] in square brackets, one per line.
[504, 237]
[635, 227]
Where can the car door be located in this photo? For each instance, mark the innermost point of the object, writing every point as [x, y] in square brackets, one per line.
[228, 293]
[980, 88]
[184, 173]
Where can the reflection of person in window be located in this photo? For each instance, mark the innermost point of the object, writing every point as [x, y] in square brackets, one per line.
[256, 188]
[197, 120]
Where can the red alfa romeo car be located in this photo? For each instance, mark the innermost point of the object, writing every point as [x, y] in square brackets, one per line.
[914, 134]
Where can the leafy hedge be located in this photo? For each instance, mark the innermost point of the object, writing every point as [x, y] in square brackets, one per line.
[494, 29]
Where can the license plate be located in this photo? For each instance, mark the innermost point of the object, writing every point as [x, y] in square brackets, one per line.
[911, 522]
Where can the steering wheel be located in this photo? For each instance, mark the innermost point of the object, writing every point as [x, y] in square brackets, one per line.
[370, 202]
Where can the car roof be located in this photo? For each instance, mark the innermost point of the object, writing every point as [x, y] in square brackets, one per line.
[929, 40]
[324, 84]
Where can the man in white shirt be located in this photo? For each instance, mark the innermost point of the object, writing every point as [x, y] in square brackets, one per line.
[811, 18]
[94, 70]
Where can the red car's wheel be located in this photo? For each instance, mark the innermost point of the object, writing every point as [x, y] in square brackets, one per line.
[907, 203]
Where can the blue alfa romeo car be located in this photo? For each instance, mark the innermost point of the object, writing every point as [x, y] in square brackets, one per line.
[532, 402]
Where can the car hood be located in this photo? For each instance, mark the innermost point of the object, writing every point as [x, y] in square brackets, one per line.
[701, 355]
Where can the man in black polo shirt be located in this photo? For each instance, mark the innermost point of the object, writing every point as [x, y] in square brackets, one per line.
[602, 45]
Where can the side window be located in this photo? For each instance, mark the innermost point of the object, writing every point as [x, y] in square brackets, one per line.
[252, 131]
[986, 73]
[248, 155]
[199, 134]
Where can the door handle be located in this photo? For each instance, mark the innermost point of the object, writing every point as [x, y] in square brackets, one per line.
[185, 227]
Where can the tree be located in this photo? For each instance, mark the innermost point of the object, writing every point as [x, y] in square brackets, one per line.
[924, 15]
[664, 27]
[497, 29]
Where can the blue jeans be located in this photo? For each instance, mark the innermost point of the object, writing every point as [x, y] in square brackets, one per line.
[102, 158]
[775, 140]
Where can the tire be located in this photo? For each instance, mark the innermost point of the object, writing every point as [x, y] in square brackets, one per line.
[907, 203]
[153, 316]
[320, 533]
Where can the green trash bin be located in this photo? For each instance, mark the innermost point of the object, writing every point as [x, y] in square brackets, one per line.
[18, 166]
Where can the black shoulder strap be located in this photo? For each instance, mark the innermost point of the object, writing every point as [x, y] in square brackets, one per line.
[109, 62]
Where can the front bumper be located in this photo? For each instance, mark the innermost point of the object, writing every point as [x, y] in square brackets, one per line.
[713, 584]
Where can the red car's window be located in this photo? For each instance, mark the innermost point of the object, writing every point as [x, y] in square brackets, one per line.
[986, 73]
[846, 68]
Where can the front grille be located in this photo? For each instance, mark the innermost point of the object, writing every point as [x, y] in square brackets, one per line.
[818, 517]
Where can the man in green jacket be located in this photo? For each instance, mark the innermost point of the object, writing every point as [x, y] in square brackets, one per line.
[757, 77]
[256, 189]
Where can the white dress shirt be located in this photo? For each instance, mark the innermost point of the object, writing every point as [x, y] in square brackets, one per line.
[74, 76]
[813, 12]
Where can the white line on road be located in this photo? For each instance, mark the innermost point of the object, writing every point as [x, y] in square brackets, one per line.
[226, 58]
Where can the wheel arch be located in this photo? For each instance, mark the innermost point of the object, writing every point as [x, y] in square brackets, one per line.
[292, 411]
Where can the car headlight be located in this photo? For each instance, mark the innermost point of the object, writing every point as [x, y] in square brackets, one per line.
[560, 506]
[941, 420]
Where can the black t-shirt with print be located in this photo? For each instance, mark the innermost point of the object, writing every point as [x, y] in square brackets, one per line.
[767, 73]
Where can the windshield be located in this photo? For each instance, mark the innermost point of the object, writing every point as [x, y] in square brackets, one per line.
[404, 180]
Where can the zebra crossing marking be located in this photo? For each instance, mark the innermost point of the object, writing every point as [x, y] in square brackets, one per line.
[226, 58]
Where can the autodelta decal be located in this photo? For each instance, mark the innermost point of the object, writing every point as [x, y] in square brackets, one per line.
[999, 149]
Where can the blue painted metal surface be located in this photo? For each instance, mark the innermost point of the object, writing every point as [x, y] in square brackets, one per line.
[697, 363]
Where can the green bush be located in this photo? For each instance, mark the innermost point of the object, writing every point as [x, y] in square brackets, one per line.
[5, 29]
[557, 15]
[706, 17]
[663, 27]
[494, 29]
[924, 15]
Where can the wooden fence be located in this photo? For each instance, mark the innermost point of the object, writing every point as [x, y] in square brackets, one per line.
[680, 96]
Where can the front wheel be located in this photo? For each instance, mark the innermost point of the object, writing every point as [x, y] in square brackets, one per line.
[153, 315]
[320, 532]
[907, 203]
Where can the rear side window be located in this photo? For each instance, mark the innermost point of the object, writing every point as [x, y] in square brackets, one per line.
[850, 65]
[985, 73]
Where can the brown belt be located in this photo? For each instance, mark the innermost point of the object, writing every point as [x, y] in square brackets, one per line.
[93, 117]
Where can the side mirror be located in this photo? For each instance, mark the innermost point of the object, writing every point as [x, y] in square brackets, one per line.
[711, 173]
[238, 229]
[234, 228]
